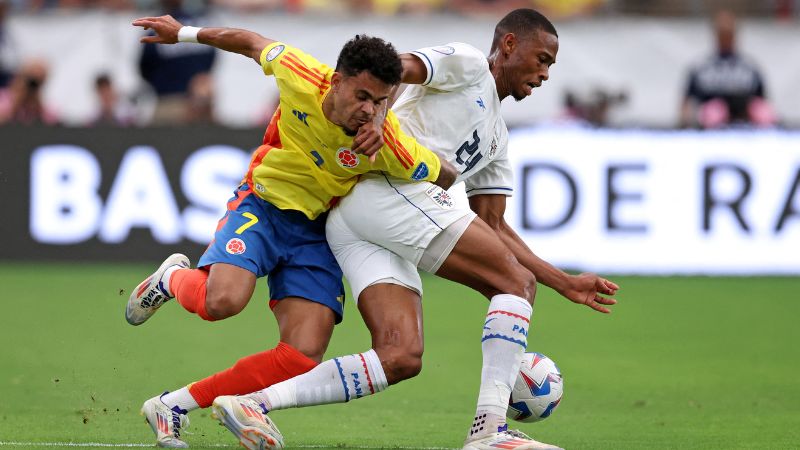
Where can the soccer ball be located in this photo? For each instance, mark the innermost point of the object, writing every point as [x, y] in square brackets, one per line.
[537, 390]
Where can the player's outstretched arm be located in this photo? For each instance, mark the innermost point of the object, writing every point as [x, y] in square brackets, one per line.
[168, 31]
[585, 289]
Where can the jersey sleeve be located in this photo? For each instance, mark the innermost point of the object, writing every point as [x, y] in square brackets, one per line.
[403, 157]
[496, 178]
[294, 68]
[452, 66]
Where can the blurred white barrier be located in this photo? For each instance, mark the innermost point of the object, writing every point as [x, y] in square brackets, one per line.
[668, 202]
[607, 201]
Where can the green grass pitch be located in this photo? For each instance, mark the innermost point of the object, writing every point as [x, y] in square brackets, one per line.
[681, 363]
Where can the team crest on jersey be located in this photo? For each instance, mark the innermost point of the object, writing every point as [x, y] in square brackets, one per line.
[421, 172]
[440, 197]
[347, 158]
[235, 246]
[277, 50]
[444, 49]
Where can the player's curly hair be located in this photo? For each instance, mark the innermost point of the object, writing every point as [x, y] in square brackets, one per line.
[522, 22]
[372, 54]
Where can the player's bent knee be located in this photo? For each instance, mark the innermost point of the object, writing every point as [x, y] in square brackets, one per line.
[221, 306]
[400, 364]
[313, 350]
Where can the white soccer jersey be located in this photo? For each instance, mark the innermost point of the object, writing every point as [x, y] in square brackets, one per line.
[380, 231]
[456, 113]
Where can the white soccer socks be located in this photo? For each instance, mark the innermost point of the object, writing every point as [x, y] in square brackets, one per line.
[337, 380]
[505, 337]
[180, 398]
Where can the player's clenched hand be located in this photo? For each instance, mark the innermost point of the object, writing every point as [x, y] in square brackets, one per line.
[588, 289]
[165, 27]
[368, 140]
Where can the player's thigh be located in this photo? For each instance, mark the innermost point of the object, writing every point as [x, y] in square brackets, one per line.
[400, 216]
[306, 290]
[243, 249]
[311, 272]
[365, 263]
[482, 261]
[305, 325]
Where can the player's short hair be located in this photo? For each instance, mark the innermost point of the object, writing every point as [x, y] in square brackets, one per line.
[522, 22]
[372, 54]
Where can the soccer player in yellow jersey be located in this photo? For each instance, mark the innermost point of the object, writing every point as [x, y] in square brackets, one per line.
[275, 223]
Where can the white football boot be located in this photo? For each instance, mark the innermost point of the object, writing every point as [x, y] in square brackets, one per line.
[507, 440]
[247, 420]
[165, 422]
[150, 294]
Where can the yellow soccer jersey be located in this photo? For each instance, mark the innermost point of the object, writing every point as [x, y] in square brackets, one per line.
[306, 163]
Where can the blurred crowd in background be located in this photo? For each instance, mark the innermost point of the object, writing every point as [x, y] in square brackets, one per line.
[726, 89]
[555, 9]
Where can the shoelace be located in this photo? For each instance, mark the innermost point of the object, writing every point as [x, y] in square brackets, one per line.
[182, 424]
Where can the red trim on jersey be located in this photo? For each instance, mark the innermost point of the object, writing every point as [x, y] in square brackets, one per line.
[397, 148]
[506, 313]
[300, 74]
[313, 71]
[271, 135]
[272, 139]
[312, 75]
[258, 156]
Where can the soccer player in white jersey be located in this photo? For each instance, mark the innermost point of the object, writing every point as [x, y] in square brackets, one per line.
[386, 228]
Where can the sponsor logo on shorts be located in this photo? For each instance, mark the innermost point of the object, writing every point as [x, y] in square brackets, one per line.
[444, 49]
[235, 246]
[347, 158]
[421, 172]
[277, 50]
[493, 148]
[440, 197]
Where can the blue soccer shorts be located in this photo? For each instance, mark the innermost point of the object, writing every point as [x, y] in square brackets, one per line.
[283, 245]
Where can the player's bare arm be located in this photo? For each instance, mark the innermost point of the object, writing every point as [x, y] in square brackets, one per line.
[586, 289]
[233, 40]
[447, 174]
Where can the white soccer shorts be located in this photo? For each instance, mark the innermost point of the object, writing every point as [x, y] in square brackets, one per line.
[382, 228]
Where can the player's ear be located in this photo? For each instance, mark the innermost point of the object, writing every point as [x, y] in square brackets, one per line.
[509, 44]
[336, 80]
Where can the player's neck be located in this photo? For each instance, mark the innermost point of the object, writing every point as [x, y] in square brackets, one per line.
[329, 109]
[498, 73]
